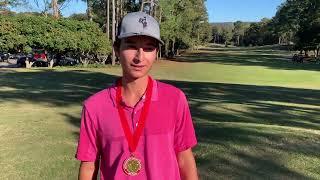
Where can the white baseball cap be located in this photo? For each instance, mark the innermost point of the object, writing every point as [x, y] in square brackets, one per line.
[139, 24]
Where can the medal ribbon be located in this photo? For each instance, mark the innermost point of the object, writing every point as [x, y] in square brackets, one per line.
[133, 139]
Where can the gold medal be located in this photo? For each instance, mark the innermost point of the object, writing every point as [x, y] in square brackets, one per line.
[132, 166]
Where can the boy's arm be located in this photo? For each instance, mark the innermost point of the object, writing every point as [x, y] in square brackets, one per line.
[187, 165]
[88, 170]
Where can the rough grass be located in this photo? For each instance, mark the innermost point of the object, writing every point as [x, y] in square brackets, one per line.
[257, 115]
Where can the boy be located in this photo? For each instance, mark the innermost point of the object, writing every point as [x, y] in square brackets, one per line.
[138, 128]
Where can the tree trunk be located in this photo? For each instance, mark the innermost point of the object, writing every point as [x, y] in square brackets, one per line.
[55, 9]
[89, 10]
[113, 31]
[160, 15]
[238, 40]
[121, 9]
[157, 58]
[318, 52]
[173, 47]
[108, 19]
[166, 48]
[117, 15]
[279, 40]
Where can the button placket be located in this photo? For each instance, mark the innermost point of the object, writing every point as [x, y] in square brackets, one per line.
[135, 118]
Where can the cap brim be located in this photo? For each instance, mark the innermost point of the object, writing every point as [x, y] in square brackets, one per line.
[140, 34]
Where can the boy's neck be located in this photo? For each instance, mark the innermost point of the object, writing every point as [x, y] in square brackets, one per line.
[133, 90]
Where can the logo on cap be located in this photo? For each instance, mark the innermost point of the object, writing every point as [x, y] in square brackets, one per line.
[143, 21]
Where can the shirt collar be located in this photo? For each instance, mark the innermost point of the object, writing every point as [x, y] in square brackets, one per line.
[113, 92]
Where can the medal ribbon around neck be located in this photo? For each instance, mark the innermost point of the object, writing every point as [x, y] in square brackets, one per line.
[133, 138]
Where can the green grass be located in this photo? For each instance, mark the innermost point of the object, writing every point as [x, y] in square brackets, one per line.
[257, 115]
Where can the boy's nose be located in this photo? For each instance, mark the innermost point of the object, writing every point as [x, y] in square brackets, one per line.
[139, 55]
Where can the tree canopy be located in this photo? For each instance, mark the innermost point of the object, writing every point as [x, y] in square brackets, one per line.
[23, 32]
[299, 21]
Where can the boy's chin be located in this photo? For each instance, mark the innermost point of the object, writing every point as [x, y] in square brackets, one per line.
[136, 75]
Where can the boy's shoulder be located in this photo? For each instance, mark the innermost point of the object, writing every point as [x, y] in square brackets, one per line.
[100, 97]
[169, 89]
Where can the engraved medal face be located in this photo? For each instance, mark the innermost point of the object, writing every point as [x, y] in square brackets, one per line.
[132, 166]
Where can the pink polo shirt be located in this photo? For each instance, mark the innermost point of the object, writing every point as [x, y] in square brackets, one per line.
[168, 130]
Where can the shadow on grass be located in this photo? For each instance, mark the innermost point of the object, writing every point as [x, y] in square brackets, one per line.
[247, 57]
[258, 117]
[215, 107]
[59, 88]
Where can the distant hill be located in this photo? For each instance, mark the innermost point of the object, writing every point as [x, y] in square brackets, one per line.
[223, 24]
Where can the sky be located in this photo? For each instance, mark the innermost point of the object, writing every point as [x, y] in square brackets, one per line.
[243, 10]
[218, 10]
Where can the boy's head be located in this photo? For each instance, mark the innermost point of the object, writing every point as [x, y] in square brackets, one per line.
[139, 24]
[137, 44]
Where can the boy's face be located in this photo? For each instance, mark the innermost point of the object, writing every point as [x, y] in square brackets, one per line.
[137, 55]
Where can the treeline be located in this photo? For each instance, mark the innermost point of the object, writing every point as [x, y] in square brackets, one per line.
[299, 21]
[184, 24]
[296, 23]
[25, 32]
[245, 33]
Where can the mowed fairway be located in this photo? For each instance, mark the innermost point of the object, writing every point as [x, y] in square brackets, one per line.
[257, 114]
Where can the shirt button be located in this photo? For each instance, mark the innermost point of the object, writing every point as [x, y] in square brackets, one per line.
[135, 112]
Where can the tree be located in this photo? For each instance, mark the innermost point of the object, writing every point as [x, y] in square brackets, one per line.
[238, 31]
[51, 5]
[23, 32]
[226, 35]
[184, 24]
[299, 21]
[79, 17]
[253, 35]
[10, 37]
[221, 32]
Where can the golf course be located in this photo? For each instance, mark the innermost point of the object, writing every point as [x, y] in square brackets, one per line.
[256, 114]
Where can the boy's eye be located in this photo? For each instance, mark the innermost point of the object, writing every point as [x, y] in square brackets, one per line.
[149, 49]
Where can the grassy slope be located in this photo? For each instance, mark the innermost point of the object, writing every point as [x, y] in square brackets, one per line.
[256, 115]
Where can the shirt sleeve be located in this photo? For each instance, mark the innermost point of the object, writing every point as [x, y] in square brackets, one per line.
[87, 145]
[184, 136]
